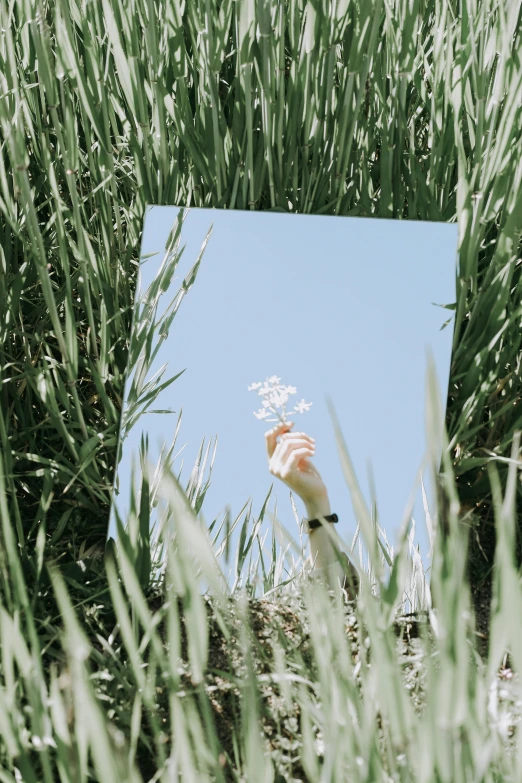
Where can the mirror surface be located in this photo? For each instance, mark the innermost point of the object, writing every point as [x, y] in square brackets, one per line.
[342, 307]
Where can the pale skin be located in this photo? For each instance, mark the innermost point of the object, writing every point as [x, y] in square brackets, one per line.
[289, 459]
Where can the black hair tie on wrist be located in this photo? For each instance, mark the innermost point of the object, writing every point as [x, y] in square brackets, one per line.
[314, 523]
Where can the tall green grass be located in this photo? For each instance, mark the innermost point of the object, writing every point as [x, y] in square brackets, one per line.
[107, 672]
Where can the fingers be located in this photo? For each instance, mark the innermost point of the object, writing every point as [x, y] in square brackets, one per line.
[272, 435]
[286, 467]
[291, 436]
[285, 456]
[283, 462]
[291, 442]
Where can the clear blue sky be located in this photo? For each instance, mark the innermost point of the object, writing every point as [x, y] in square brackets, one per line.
[335, 306]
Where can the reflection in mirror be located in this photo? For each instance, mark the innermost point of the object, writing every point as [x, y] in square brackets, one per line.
[248, 321]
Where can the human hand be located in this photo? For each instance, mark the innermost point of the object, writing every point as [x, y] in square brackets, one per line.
[289, 460]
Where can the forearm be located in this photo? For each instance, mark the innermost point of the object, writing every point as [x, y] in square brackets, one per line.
[322, 549]
[323, 552]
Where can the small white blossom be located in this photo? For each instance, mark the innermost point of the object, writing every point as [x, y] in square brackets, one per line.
[302, 406]
[262, 414]
[254, 386]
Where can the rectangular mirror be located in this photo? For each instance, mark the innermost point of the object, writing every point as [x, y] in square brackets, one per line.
[342, 308]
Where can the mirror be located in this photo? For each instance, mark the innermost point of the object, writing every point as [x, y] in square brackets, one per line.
[337, 307]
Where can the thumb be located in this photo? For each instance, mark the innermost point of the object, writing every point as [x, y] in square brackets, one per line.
[272, 435]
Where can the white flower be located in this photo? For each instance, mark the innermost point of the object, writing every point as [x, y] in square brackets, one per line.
[275, 399]
[302, 406]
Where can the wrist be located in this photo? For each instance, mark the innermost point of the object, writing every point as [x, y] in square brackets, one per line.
[318, 506]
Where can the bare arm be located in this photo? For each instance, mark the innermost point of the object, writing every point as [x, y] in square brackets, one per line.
[290, 460]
